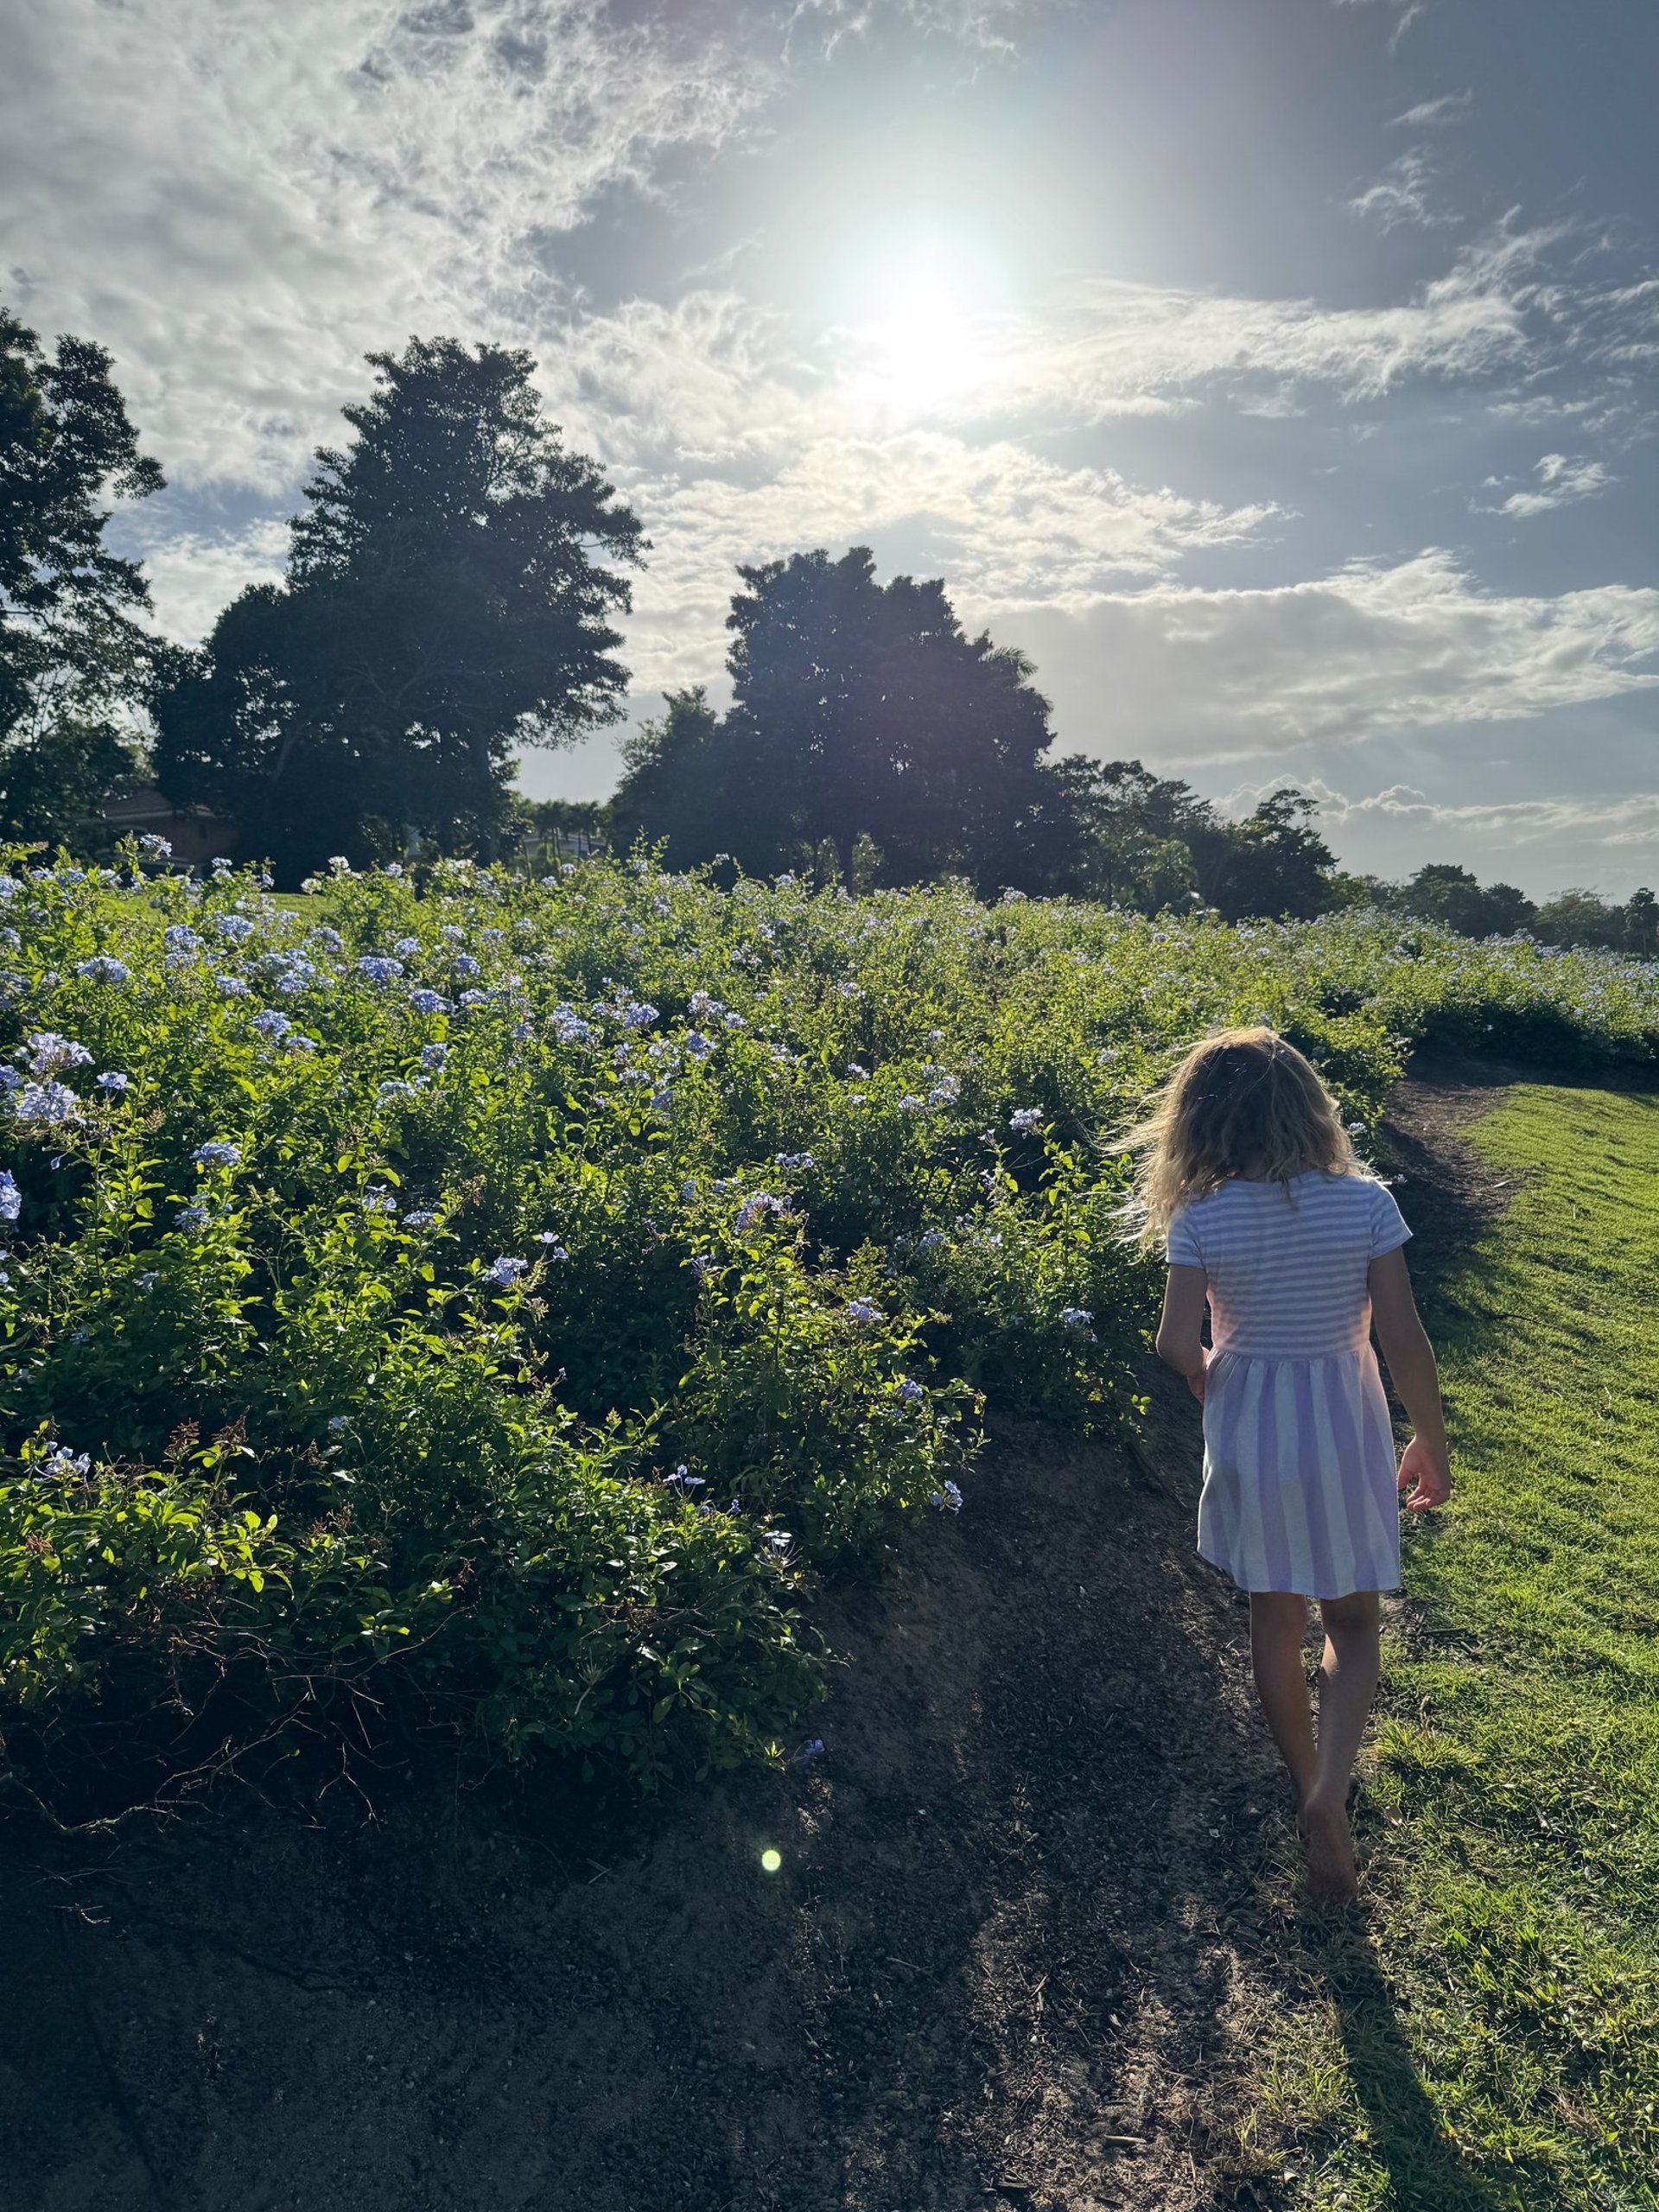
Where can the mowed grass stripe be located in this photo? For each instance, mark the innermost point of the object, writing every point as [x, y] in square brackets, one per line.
[1492, 2039]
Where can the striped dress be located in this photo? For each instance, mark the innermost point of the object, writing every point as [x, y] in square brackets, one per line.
[1299, 1457]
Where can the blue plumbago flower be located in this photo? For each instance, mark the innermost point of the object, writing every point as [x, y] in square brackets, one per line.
[466, 966]
[422, 1218]
[11, 1198]
[848, 991]
[300, 1043]
[105, 967]
[232, 987]
[662, 1097]
[945, 1092]
[808, 1751]
[378, 968]
[11, 1078]
[216, 1154]
[47, 1053]
[730, 1020]
[701, 1265]
[394, 1087]
[910, 1103]
[425, 1000]
[779, 1542]
[236, 928]
[60, 1460]
[755, 1207]
[936, 1036]
[338, 865]
[378, 1200]
[474, 998]
[688, 1189]
[405, 945]
[161, 847]
[697, 1044]
[190, 1216]
[682, 1478]
[638, 1015]
[48, 1103]
[910, 1390]
[330, 940]
[522, 1031]
[336, 1422]
[452, 935]
[793, 1159]
[863, 1311]
[113, 1079]
[491, 937]
[929, 1240]
[1025, 1117]
[503, 1273]
[1076, 1317]
[548, 883]
[10, 887]
[221, 865]
[549, 1240]
[272, 1024]
[858, 1074]
[949, 1498]
[433, 1056]
[704, 1003]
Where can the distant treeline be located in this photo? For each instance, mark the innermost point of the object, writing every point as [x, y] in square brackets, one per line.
[451, 586]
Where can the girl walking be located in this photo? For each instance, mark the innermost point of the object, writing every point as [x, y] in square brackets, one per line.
[1247, 1172]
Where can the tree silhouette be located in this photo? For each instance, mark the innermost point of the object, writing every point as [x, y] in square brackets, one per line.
[447, 601]
[859, 709]
[74, 663]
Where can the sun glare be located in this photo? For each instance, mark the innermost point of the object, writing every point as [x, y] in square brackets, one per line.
[923, 347]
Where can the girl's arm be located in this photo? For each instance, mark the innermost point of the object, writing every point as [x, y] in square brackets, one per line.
[1181, 1333]
[1426, 1464]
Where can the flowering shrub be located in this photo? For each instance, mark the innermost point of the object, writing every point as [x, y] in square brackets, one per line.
[503, 1296]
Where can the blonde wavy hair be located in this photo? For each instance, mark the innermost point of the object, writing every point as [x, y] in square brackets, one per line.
[1244, 1099]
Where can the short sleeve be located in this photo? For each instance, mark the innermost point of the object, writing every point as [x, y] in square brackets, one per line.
[1389, 1230]
[1182, 1250]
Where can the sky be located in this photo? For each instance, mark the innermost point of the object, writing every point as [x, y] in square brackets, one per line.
[1280, 375]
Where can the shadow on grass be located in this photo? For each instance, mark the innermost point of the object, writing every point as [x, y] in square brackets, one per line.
[1426, 2171]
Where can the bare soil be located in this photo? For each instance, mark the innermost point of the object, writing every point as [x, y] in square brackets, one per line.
[1035, 1902]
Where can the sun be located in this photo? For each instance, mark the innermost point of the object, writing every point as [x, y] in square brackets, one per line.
[922, 348]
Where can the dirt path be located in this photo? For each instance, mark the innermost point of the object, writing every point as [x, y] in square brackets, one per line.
[1033, 1898]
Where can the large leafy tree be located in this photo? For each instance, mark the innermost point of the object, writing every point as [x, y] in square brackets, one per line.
[75, 661]
[449, 596]
[859, 710]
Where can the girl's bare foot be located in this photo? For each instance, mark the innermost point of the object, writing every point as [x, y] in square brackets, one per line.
[1332, 1876]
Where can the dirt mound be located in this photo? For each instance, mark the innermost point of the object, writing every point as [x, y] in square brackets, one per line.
[1031, 1898]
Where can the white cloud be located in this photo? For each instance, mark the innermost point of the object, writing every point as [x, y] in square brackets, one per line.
[240, 199]
[999, 521]
[1560, 481]
[1107, 346]
[1400, 194]
[1450, 107]
[1206, 676]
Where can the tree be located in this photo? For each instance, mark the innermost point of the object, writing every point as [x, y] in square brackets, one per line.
[1641, 924]
[1579, 917]
[74, 663]
[676, 780]
[859, 709]
[1273, 861]
[447, 601]
[1442, 892]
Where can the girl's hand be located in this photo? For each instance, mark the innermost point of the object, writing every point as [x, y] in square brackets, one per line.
[1195, 1381]
[1426, 1475]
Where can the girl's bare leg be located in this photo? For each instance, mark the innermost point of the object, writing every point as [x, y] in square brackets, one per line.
[1347, 1687]
[1278, 1623]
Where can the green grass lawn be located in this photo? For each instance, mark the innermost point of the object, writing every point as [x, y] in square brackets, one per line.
[1492, 2038]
